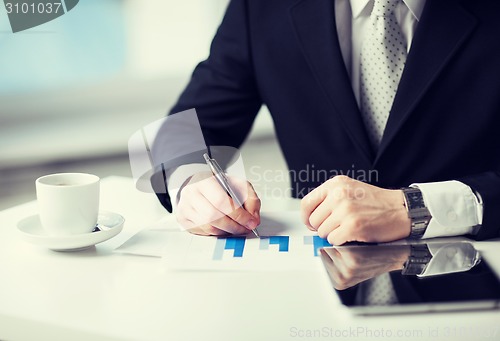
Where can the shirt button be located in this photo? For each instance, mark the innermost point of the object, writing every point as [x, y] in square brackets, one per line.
[452, 216]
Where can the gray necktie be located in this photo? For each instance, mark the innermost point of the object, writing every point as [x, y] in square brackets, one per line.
[383, 56]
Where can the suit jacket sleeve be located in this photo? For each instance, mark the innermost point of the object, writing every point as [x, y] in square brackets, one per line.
[223, 88]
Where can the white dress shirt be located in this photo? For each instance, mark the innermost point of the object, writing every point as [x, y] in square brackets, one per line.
[454, 207]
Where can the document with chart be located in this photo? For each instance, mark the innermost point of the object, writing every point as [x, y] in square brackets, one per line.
[285, 244]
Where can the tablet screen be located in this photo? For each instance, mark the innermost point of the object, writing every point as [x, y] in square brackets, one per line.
[418, 277]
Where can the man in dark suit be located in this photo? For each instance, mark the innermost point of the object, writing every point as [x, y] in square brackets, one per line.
[313, 63]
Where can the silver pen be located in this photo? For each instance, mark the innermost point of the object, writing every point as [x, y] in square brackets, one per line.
[224, 182]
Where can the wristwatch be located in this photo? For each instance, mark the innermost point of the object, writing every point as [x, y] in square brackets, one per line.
[417, 211]
[416, 263]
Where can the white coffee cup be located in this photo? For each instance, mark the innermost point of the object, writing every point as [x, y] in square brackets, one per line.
[68, 203]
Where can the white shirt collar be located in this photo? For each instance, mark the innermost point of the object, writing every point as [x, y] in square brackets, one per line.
[415, 6]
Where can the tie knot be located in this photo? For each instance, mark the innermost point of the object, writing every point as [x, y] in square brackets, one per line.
[383, 8]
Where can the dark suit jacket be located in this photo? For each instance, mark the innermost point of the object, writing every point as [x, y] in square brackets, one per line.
[285, 54]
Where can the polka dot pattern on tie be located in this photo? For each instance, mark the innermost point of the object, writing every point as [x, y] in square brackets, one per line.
[383, 57]
[379, 291]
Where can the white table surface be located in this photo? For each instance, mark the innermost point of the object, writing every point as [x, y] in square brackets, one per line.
[100, 295]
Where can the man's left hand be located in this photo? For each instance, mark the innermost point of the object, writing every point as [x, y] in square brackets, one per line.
[343, 210]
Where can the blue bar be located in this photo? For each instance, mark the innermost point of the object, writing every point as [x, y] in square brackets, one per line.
[237, 244]
[317, 243]
[282, 241]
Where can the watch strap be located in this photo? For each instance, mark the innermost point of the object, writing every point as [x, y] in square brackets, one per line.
[417, 212]
[418, 260]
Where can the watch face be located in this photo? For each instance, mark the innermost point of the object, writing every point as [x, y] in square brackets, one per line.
[415, 200]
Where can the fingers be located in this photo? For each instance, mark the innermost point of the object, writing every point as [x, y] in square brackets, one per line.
[242, 216]
[192, 227]
[253, 203]
[340, 235]
[207, 230]
[332, 238]
[219, 227]
[331, 192]
[330, 208]
[207, 214]
[327, 217]
[309, 203]
[205, 208]
[332, 254]
[329, 225]
[250, 199]
[221, 217]
[319, 215]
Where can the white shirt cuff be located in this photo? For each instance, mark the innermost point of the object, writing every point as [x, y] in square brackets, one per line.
[450, 258]
[454, 207]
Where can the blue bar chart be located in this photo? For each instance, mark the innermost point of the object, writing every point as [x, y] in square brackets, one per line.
[282, 242]
[317, 243]
[236, 244]
[282, 246]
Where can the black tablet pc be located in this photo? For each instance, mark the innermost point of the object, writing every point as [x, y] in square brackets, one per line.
[423, 277]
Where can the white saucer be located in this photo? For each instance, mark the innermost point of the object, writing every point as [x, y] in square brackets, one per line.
[31, 230]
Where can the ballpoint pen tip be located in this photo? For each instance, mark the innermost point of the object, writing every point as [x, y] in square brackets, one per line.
[256, 233]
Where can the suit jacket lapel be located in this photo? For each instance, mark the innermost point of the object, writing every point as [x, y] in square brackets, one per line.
[443, 28]
[315, 27]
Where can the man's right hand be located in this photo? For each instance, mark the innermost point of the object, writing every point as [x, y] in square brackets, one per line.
[205, 208]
